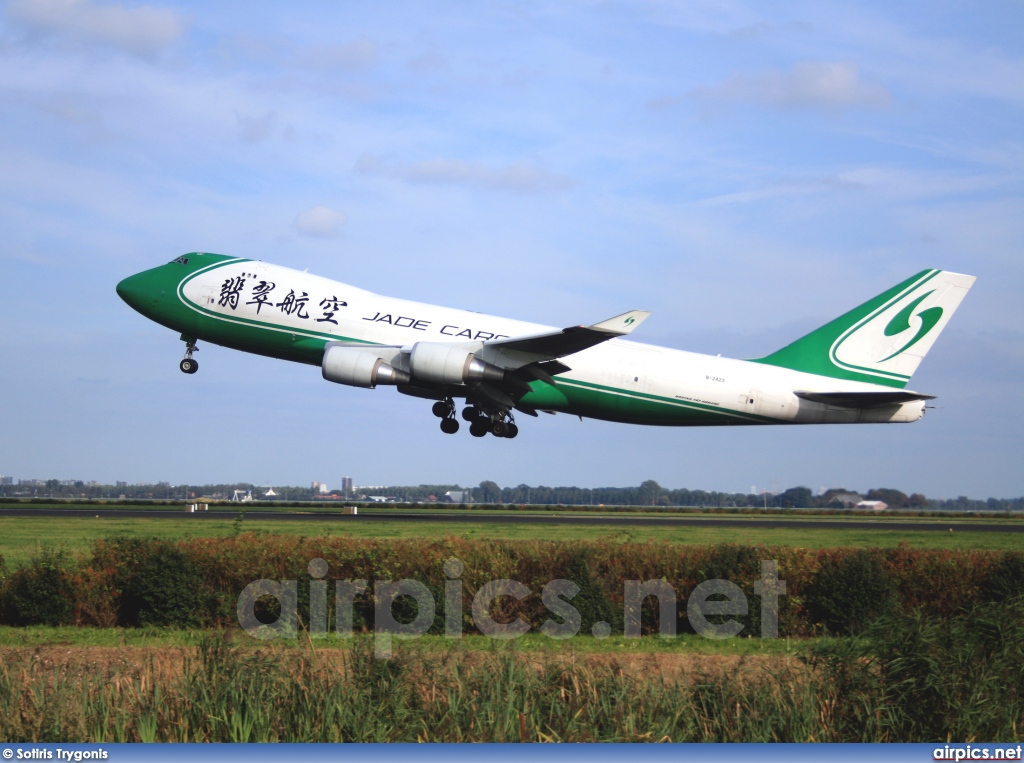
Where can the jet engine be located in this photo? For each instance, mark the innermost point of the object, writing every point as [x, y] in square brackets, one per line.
[359, 367]
[449, 364]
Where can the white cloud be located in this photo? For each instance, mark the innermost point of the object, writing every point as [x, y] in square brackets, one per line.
[142, 30]
[357, 54]
[522, 177]
[427, 62]
[320, 222]
[810, 84]
[256, 129]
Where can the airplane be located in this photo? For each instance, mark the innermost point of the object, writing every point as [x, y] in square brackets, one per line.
[853, 369]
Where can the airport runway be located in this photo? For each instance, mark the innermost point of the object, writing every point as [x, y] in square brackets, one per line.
[556, 518]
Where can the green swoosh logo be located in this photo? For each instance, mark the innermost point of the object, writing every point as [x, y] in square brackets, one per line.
[901, 322]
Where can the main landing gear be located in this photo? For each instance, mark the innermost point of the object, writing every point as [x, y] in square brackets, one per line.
[445, 410]
[188, 365]
[498, 424]
[480, 422]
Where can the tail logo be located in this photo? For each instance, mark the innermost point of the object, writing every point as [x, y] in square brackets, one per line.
[901, 323]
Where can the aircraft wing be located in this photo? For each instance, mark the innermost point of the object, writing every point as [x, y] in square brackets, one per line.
[557, 344]
[869, 399]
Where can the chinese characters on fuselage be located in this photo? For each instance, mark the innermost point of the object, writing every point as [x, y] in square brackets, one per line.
[291, 304]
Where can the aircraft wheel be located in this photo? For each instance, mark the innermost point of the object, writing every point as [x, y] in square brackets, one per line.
[449, 426]
[499, 428]
[470, 414]
[440, 409]
[188, 366]
[478, 428]
[513, 430]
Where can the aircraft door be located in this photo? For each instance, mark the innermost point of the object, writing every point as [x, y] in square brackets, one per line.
[748, 401]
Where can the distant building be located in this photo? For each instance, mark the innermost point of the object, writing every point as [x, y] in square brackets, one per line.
[346, 486]
[6, 480]
[873, 505]
[845, 500]
[458, 496]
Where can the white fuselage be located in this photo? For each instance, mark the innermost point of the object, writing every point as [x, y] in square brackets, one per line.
[745, 391]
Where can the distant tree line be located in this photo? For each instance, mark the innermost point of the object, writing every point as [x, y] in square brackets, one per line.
[648, 493]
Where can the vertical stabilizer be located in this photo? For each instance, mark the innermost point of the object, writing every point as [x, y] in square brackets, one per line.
[883, 340]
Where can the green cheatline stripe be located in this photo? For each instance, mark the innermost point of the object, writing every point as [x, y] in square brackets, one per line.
[249, 321]
[661, 400]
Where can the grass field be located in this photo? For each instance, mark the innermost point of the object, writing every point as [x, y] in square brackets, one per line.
[211, 693]
[906, 679]
[910, 676]
[454, 510]
[79, 637]
[20, 536]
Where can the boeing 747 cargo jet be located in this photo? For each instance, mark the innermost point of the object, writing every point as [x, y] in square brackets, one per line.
[854, 369]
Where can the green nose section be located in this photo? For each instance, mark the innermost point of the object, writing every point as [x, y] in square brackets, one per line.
[141, 291]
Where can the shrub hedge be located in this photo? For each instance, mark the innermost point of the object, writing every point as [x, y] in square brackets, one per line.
[41, 592]
[197, 582]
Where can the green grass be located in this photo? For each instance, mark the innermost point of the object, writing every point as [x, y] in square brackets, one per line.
[20, 536]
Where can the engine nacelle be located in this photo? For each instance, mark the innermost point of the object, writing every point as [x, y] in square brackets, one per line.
[358, 367]
[447, 364]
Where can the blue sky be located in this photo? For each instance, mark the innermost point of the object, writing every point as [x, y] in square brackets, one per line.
[744, 171]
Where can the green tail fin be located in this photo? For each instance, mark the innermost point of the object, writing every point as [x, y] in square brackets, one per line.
[883, 340]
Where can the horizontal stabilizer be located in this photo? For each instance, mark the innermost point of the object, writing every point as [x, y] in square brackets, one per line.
[557, 344]
[870, 399]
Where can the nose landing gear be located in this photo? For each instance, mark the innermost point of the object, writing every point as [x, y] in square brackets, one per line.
[188, 365]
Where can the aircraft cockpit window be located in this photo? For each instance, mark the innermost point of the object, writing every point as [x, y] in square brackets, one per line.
[181, 260]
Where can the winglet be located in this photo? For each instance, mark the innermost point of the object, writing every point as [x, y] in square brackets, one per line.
[622, 324]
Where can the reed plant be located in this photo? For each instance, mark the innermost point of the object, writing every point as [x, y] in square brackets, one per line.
[909, 677]
[222, 694]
